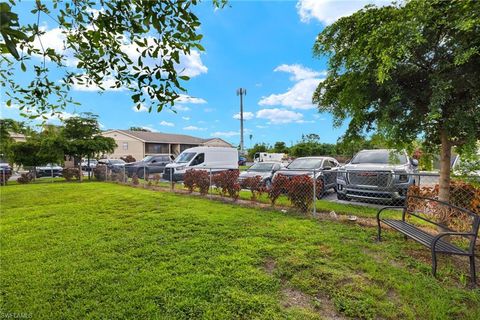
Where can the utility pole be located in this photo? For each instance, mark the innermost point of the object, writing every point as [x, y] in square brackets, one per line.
[241, 92]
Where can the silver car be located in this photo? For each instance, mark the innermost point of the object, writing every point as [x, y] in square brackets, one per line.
[380, 175]
[265, 170]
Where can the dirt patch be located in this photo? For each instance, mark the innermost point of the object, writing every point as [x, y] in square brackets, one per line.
[326, 308]
[379, 257]
[269, 265]
[295, 298]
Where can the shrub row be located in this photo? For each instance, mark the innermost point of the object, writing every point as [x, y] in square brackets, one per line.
[298, 189]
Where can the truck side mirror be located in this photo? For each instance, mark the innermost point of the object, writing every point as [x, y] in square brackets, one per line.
[414, 162]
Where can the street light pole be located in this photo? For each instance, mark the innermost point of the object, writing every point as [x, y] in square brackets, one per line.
[241, 92]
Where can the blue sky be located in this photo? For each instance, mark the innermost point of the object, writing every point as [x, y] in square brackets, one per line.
[263, 46]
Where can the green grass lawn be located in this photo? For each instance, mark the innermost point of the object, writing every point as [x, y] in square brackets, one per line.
[100, 250]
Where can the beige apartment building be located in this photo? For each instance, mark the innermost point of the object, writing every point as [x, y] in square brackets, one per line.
[140, 143]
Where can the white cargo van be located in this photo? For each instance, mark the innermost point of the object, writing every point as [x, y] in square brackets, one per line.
[206, 158]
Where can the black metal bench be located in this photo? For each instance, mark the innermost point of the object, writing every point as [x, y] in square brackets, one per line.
[434, 242]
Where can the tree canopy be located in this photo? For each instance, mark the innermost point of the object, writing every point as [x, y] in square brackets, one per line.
[99, 35]
[406, 71]
[83, 137]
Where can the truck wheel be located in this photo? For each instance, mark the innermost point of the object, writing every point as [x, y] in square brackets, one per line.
[140, 173]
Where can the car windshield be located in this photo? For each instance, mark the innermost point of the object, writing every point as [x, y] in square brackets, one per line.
[115, 161]
[185, 157]
[147, 158]
[305, 164]
[380, 157]
[261, 167]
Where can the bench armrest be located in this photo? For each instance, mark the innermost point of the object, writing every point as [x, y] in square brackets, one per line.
[388, 207]
[450, 233]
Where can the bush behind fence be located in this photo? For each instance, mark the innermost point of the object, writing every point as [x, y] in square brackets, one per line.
[303, 189]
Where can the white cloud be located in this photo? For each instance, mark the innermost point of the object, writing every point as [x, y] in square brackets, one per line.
[186, 118]
[191, 65]
[149, 128]
[280, 116]
[299, 72]
[318, 117]
[13, 111]
[108, 84]
[298, 97]
[167, 124]
[184, 98]
[55, 39]
[262, 127]
[181, 108]
[246, 116]
[142, 108]
[328, 11]
[194, 128]
[208, 109]
[226, 134]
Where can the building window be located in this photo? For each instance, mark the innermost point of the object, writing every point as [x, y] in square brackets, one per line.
[156, 148]
[125, 146]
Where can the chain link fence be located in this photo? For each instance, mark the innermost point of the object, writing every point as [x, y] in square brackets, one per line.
[303, 189]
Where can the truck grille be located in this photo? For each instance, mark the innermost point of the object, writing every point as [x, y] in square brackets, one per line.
[370, 178]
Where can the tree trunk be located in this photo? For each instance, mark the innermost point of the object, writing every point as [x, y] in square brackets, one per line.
[88, 168]
[444, 183]
[80, 171]
[445, 159]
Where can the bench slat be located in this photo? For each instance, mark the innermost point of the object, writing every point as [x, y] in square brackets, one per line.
[422, 237]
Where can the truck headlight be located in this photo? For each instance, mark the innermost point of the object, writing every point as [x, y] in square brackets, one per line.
[180, 168]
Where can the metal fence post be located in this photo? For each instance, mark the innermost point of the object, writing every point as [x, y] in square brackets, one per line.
[106, 173]
[210, 187]
[171, 179]
[124, 175]
[314, 194]
[51, 173]
[144, 177]
[3, 174]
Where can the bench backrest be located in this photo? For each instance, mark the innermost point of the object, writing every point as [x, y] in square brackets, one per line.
[424, 207]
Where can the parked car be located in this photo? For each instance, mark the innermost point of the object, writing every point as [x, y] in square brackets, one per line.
[49, 170]
[376, 175]
[86, 166]
[5, 167]
[149, 165]
[115, 165]
[242, 161]
[265, 170]
[207, 158]
[322, 168]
